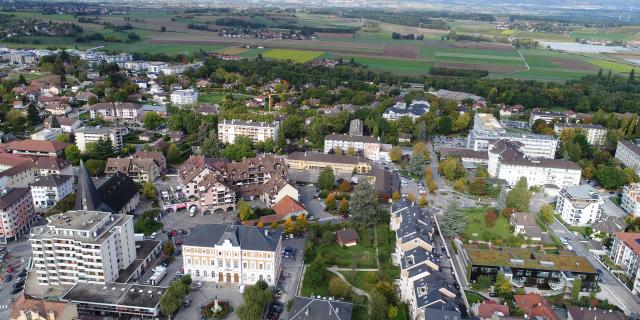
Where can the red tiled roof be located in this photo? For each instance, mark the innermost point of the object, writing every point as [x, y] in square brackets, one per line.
[287, 205]
[630, 239]
[36, 145]
[535, 305]
[489, 308]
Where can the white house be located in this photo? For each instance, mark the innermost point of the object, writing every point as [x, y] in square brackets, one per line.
[184, 96]
[368, 146]
[87, 135]
[48, 190]
[595, 133]
[579, 205]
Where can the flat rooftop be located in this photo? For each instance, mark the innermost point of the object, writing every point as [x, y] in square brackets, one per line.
[489, 122]
[143, 250]
[583, 191]
[77, 220]
[526, 259]
[117, 294]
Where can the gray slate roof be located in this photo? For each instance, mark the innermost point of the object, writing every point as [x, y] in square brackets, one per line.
[53, 180]
[320, 309]
[247, 237]
[87, 196]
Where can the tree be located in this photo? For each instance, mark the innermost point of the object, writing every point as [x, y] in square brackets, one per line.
[95, 167]
[172, 299]
[344, 206]
[72, 153]
[364, 206]
[273, 225]
[316, 270]
[338, 288]
[168, 249]
[101, 149]
[490, 217]
[245, 211]
[451, 168]
[33, 118]
[395, 196]
[351, 151]
[501, 202]
[503, 286]
[454, 221]
[395, 154]
[149, 190]
[330, 201]
[173, 154]
[422, 200]
[478, 187]
[420, 148]
[411, 197]
[152, 120]
[416, 165]
[392, 312]
[345, 186]
[54, 122]
[301, 224]
[632, 76]
[163, 29]
[288, 226]
[255, 299]
[519, 197]
[546, 213]
[326, 179]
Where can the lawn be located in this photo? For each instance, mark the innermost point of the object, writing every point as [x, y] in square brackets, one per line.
[293, 55]
[362, 255]
[218, 97]
[473, 297]
[360, 302]
[612, 65]
[477, 228]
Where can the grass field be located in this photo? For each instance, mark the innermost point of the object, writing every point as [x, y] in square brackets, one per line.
[218, 97]
[477, 228]
[612, 65]
[293, 55]
[395, 65]
[608, 33]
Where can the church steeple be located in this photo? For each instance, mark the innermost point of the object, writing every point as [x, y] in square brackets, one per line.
[87, 197]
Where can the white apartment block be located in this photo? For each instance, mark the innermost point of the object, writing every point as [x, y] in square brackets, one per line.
[579, 205]
[631, 199]
[507, 162]
[88, 135]
[367, 146]
[625, 252]
[596, 134]
[110, 111]
[47, 134]
[16, 213]
[82, 246]
[629, 154]
[487, 129]
[232, 254]
[256, 131]
[50, 189]
[184, 96]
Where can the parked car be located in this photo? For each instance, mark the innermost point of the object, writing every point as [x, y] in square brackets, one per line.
[8, 278]
[16, 290]
[187, 301]
[18, 284]
[153, 235]
[199, 284]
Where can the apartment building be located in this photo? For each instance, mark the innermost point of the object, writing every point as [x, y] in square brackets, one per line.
[228, 130]
[631, 199]
[112, 111]
[36, 148]
[50, 189]
[629, 154]
[506, 161]
[66, 124]
[82, 246]
[306, 166]
[546, 116]
[16, 213]
[595, 133]
[366, 146]
[46, 134]
[232, 254]
[20, 175]
[139, 169]
[487, 130]
[426, 288]
[88, 135]
[184, 97]
[579, 205]
[399, 110]
[625, 253]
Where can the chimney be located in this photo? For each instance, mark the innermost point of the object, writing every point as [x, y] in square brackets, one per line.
[51, 315]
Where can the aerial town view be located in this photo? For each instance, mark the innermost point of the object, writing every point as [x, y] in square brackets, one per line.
[320, 160]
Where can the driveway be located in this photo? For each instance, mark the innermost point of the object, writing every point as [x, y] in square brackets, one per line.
[291, 272]
[18, 255]
[314, 206]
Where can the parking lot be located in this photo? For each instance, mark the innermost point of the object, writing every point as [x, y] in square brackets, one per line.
[18, 256]
[449, 142]
[291, 272]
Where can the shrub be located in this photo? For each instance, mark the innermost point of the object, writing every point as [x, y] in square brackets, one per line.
[339, 288]
[490, 217]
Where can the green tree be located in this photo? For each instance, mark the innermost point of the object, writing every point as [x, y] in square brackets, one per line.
[451, 168]
[173, 154]
[503, 287]
[101, 149]
[72, 153]
[478, 186]
[255, 299]
[95, 167]
[364, 206]
[546, 213]
[168, 249]
[344, 206]
[519, 197]
[326, 179]
[172, 299]
[416, 165]
[453, 221]
[395, 154]
[33, 118]
[149, 190]
[152, 120]
[338, 288]
[245, 211]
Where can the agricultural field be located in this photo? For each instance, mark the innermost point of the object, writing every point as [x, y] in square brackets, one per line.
[293, 55]
[374, 49]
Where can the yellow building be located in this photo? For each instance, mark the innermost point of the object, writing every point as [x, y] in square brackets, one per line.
[315, 161]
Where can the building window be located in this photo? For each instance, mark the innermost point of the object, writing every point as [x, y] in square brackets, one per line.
[197, 273]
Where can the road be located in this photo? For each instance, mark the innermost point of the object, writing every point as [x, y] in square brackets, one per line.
[612, 290]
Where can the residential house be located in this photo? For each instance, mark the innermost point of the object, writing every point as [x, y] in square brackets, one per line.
[364, 145]
[535, 306]
[525, 223]
[579, 205]
[27, 308]
[66, 124]
[347, 237]
[625, 253]
[595, 133]
[87, 135]
[50, 189]
[113, 111]
[120, 193]
[158, 157]
[139, 169]
[304, 308]
[589, 313]
[184, 97]
[306, 166]
[256, 131]
[16, 213]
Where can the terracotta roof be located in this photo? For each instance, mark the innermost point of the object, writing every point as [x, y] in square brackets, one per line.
[12, 195]
[347, 235]
[11, 160]
[630, 239]
[63, 121]
[36, 145]
[489, 308]
[535, 305]
[129, 165]
[157, 156]
[287, 205]
[39, 306]
[49, 163]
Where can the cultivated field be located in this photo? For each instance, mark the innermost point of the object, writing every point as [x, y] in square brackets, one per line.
[374, 49]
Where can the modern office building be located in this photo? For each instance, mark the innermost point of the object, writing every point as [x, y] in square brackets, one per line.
[487, 129]
[232, 254]
[579, 205]
[546, 116]
[228, 130]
